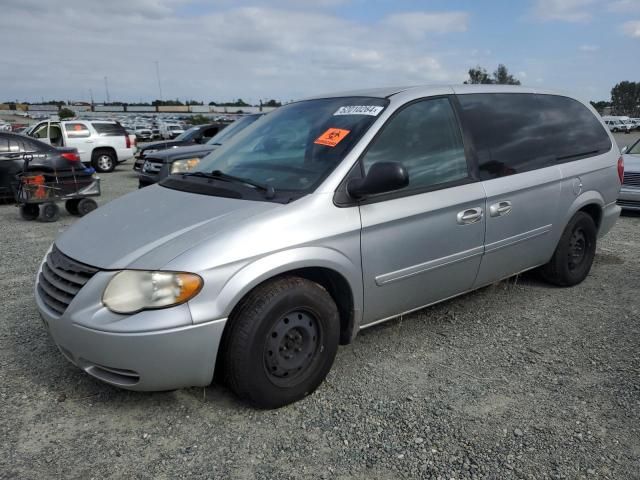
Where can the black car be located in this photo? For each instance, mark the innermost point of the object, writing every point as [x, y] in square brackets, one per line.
[159, 165]
[197, 135]
[41, 157]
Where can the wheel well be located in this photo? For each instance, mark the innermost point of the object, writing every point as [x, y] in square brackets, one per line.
[340, 291]
[594, 211]
[99, 150]
[338, 288]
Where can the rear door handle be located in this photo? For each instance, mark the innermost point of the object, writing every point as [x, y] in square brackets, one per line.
[471, 215]
[499, 209]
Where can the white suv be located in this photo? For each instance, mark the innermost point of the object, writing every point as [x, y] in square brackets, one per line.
[101, 144]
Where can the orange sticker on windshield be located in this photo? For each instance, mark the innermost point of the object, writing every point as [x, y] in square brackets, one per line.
[332, 137]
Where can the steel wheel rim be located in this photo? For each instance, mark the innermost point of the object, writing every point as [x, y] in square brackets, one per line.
[104, 162]
[578, 244]
[291, 345]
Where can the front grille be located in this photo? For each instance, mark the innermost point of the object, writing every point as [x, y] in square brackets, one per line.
[631, 179]
[628, 204]
[61, 279]
[151, 167]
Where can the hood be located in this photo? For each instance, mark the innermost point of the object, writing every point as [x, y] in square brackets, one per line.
[172, 154]
[631, 163]
[166, 144]
[148, 228]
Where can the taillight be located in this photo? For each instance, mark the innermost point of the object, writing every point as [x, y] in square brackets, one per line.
[71, 156]
[127, 140]
[621, 169]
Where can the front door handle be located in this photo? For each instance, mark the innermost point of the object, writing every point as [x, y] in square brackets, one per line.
[471, 215]
[499, 209]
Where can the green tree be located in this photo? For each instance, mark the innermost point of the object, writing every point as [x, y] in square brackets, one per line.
[272, 103]
[501, 76]
[200, 120]
[601, 105]
[66, 113]
[478, 75]
[625, 98]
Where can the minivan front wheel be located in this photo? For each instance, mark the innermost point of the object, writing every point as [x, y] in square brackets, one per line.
[281, 342]
[572, 260]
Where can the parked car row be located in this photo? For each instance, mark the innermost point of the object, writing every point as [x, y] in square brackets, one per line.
[158, 160]
[621, 124]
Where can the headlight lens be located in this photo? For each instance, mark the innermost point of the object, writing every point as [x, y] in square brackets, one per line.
[133, 290]
[150, 151]
[186, 165]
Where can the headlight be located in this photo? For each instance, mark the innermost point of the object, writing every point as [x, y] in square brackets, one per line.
[133, 290]
[186, 165]
[150, 151]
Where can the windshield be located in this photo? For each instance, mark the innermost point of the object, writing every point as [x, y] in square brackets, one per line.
[236, 127]
[634, 149]
[296, 146]
[174, 127]
[188, 134]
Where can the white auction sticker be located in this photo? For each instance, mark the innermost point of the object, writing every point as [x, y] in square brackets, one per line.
[372, 110]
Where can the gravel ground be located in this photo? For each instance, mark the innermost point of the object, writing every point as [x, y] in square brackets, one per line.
[517, 380]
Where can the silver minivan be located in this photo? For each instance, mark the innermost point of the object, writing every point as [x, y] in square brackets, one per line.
[331, 215]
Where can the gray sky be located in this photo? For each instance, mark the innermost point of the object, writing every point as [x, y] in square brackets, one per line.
[286, 49]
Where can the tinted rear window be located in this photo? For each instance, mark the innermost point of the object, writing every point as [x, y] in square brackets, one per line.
[515, 132]
[109, 129]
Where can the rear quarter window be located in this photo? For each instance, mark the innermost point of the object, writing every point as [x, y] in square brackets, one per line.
[77, 130]
[109, 129]
[514, 132]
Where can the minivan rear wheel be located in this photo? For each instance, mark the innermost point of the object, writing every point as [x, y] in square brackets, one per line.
[572, 260]
[281, 342]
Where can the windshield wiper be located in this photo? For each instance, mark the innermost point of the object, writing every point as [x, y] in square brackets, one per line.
[268, 190]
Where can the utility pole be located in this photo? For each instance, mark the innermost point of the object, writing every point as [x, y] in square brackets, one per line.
[91, 95]
[106, 88]
[158, 76]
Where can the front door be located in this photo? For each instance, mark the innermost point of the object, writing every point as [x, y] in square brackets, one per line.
[41, 132]
[423, 243]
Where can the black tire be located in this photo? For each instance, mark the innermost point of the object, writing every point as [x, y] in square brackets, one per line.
[103, 161]
[86, 205]
[29, 211]
[280, 342]
[572, 260]
[72, 206]
[50, 212]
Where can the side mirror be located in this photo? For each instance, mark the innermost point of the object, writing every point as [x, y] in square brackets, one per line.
[624, 149]
[382, 177]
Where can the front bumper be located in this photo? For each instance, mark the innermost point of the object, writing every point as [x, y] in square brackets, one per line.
[137, 165]
[629, 198]
[107, 347]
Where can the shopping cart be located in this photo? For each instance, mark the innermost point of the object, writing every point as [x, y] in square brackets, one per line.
[36, 192]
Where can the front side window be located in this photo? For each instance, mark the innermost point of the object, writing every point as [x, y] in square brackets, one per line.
[426, 139]
[296, 146]
[41, 131]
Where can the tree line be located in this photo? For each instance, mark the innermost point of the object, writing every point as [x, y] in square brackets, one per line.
[625, 100]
